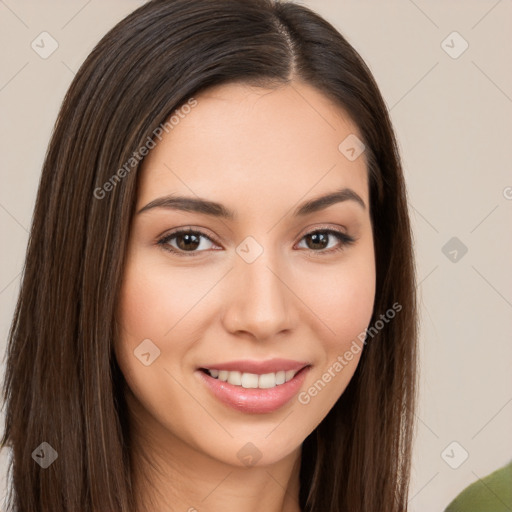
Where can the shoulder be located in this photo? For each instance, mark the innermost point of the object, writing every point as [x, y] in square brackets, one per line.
[492, 493]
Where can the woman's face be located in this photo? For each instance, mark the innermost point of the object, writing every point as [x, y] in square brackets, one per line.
[260, 278]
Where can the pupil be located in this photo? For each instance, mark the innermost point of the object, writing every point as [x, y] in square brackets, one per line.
[189, 238]
[319, 238]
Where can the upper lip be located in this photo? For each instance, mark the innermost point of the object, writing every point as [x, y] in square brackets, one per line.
[258, 367]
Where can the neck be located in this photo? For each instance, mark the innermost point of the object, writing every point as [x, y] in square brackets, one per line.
[170, 474]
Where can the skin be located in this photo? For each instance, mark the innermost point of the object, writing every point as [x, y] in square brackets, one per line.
[259, 152]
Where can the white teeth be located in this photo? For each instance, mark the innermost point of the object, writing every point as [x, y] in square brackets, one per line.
[289, 375]
[253, 380]
[249, 380]
[267, 380]
[235, 378]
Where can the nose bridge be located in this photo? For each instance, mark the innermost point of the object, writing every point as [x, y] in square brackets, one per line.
[260, 302]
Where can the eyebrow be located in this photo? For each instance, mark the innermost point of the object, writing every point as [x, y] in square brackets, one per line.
[193, 204]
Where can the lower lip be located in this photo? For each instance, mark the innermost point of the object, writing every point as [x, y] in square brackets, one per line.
[255, 400]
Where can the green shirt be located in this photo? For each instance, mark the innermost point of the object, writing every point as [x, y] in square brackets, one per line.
[492, 493]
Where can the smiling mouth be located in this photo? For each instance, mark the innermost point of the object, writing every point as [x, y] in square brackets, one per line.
[254, 393]
[252, 380]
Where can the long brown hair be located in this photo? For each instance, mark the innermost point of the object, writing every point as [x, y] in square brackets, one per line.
[63, 385]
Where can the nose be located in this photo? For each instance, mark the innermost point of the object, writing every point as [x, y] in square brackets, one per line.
[259, 300]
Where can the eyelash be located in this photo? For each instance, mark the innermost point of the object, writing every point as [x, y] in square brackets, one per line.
[345, 240]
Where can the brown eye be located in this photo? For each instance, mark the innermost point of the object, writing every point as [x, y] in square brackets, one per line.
[318, 241]
[185, 241]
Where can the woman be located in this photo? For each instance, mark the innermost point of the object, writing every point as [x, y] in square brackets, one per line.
[218, 304]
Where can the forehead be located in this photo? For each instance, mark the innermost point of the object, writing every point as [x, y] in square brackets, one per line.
[240, 141]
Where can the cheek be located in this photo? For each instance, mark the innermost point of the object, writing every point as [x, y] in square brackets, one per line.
[342, 297]
[154, 303]
[162, 306]
[347, 314]
[147, 310]
[348, 305]
[342, 300]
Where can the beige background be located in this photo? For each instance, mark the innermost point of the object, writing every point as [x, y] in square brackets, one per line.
[453, 118]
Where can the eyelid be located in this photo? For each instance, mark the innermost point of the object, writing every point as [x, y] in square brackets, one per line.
[345, 240]
[163, 239]
[323, 227]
